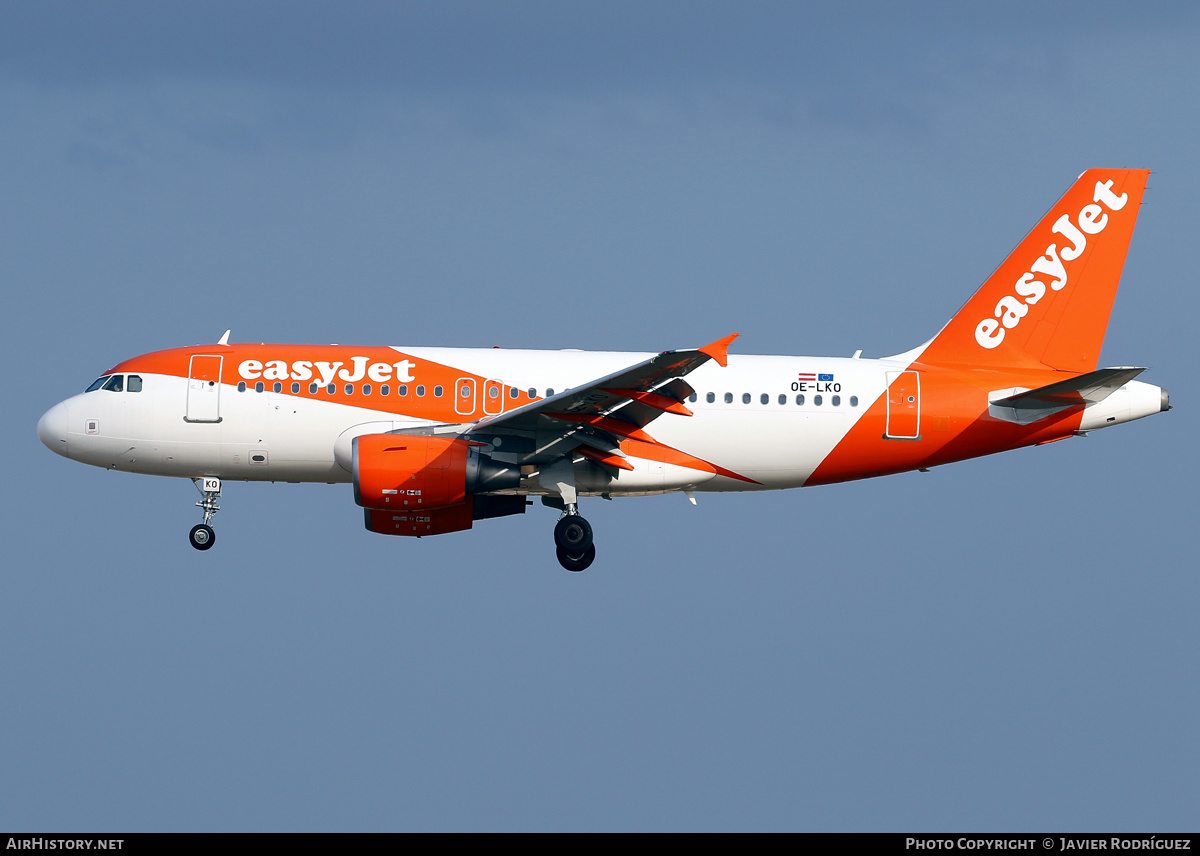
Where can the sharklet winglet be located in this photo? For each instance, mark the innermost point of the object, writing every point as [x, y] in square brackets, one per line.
[719, 350]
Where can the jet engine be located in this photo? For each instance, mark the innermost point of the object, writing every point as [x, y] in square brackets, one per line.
[397, 471]
[425, 485]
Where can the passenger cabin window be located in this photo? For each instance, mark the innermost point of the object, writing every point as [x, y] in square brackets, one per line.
[277, 386]
[854, 401]
[512, 393]
[349, 389]
[729, 398]
[295, 388]
[97, 383]
[764, 399]
[133, 383]
[420, 389]
[258, 387]
[836, 401]
[745, 398]
[116, 383]
[692, 397]
[782, 399]
[711, 397]
[437, 392]
[384, 390]
[241, 386]
[366, 389]
[532, 392]
[402, 389]
[331, 389]
[549, 393]
[800, 399]
[817, 400]
[312, 389]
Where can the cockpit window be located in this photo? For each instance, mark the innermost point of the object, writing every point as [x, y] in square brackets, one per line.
[97, 383]
[116, 383]
[134, 383]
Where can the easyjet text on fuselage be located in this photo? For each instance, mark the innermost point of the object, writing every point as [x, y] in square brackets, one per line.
[325, 372]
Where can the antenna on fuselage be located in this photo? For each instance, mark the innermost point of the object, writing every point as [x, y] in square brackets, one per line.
[224, 340]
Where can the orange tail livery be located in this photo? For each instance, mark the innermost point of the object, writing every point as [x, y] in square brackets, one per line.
[1047, 305]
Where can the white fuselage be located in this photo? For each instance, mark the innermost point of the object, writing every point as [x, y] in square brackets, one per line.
[277, 436]
[771, 421]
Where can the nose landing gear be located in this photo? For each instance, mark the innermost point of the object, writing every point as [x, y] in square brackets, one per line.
[573, 540]
[202, 536]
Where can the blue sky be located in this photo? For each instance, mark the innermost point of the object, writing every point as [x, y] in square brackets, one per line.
[1000, 644]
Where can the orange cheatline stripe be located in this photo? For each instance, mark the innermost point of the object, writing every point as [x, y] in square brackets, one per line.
[655, 451]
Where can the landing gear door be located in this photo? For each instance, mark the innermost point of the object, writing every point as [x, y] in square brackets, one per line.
[903, 406]
[204, 389]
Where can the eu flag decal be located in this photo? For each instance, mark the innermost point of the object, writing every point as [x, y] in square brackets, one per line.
[828, 377]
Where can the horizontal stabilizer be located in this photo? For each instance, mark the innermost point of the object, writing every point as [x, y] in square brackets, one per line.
[1029, 406]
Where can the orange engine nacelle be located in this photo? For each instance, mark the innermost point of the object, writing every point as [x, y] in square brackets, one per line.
[396, 472]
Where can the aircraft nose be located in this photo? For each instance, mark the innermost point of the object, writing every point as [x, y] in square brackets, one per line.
[52, 429]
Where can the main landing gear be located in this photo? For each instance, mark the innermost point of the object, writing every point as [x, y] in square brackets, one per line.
[202, 535]
[573, 540]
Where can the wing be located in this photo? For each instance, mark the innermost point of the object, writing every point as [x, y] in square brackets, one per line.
[595, 417]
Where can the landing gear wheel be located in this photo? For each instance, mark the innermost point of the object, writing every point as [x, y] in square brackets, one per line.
[577, 561]
[202, 536]
[573, 534]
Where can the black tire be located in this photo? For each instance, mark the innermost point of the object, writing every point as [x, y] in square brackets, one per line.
[202, 536]
[573, 534]
[578, 561]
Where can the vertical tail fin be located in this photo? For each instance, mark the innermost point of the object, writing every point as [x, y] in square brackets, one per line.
[1048, 304]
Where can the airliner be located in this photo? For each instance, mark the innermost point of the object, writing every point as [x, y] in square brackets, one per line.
[433, 439]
